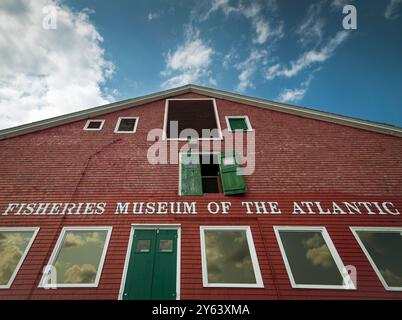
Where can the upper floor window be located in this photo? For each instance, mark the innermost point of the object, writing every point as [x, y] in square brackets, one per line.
[202, 173]
[127, 125]
[94, 125]
[238, 123]
[199, 115]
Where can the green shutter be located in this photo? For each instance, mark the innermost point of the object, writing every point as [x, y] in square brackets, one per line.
[232, 183]
[238, 124]
[191, 182]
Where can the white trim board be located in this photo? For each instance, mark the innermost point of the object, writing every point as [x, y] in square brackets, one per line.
[253, 254]
[367, 254]
[217, 94]
[35, 231]
[134, 227]
[348, 283]
[217, 119]
[58, 247]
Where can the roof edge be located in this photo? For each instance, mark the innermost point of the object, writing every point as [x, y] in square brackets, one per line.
[257, 102]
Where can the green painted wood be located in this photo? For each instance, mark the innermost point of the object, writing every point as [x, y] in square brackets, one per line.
[151, 274]
[238, 124]
[191, 182]
[140, 268]
[165, 270]
[232, 182]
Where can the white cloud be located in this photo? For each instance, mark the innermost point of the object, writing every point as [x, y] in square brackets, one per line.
[312, 27]
[297, 94]
[308, 58]
[248, 67]
[391, 12]
[46, 73]
[188, 64]
[262, 28]
[153, 16]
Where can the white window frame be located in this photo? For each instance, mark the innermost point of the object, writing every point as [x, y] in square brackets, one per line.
[164, 135]
[134, 227]
[57, 249]
[363, 247]
[254, 259]
[35, 231]
[249, 127]
[348, 283]
[94, 120]
[137, 119]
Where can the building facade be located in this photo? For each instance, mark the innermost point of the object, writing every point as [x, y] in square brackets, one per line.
[100, 205]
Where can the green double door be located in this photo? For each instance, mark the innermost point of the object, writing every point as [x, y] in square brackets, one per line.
[152, 269]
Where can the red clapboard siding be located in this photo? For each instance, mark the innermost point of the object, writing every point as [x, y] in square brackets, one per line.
[297, 159]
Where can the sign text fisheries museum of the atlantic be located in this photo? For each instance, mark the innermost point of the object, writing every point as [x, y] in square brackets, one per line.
[190, 208]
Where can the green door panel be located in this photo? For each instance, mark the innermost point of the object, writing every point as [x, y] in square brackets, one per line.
[141, 265]
[191, 182]
[232, 182]
[151, 273]
[164, 275]
[238, 124]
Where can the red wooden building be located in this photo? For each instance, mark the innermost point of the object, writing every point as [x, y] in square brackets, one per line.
[91, 208]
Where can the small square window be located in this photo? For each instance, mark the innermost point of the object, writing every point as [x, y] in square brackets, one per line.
[143, 245]
[166, 245]
[94, 125]
[238, 123]
[127, 125]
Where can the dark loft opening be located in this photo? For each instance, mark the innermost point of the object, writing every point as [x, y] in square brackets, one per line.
[210, 173]
[192, 114]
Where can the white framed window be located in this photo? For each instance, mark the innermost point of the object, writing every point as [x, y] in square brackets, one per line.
[127, 125]
[311, 259]
[14, 247]
[197, 114]
[94, 125]
[241, 123]
[78, 257]
[228, 257]
[383, 249]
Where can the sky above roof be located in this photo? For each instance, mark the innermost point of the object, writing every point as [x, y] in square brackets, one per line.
[63, 56]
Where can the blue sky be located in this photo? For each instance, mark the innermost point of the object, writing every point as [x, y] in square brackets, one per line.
[284, 50]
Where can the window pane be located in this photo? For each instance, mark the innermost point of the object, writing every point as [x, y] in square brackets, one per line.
[166, 245]
[94, 124]
[228, 257]
[385, 249]
[143, 245]
[78, 259]
[309, 258]
[127, 125]
[238, 124]
[12, 247]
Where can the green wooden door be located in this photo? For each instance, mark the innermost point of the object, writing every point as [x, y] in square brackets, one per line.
[151, 273]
